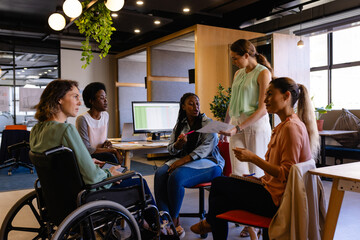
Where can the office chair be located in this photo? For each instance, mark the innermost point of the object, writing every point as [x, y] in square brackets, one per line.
[14, 148]
[224, 151]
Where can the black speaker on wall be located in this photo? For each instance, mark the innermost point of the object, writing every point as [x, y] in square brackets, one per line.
[191, 75]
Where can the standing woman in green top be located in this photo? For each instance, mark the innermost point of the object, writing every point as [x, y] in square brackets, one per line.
[247, 111]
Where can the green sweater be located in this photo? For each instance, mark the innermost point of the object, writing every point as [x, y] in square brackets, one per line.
[46, 135]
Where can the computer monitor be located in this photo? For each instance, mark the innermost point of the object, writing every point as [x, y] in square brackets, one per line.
[154, 117]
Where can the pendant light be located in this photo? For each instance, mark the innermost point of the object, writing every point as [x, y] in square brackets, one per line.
[300, 43]
[72, 8]
[57, 21]
[114, 5]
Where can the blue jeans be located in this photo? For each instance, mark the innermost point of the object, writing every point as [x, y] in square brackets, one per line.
[170, 188]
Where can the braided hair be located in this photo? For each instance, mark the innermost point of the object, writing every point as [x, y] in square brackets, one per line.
[192, 138]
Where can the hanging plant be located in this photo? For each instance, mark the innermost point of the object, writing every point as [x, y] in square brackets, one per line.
[95, 23]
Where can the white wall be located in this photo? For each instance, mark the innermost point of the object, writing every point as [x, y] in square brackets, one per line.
[100, 70]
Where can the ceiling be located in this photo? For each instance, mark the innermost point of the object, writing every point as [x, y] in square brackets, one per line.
[28, 18]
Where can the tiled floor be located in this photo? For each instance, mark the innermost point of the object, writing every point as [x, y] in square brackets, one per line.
[346, 229]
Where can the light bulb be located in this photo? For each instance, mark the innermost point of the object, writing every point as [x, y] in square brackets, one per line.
[114, 5]
[72, 8]
[57, 21]
[300, 43]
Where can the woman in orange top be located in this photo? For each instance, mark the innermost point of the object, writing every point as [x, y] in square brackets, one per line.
[294, 140]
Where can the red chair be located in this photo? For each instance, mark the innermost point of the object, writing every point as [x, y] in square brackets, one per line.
[15, 127]
[224, 151]
[248, 219]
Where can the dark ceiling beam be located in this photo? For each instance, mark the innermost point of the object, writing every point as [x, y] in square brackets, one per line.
[308, 15]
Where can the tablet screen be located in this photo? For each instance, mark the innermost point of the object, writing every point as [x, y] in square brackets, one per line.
[108, 165]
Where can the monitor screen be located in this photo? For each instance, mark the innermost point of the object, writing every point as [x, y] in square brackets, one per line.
[153, 117]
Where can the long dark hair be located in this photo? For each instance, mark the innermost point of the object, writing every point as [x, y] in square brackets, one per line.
[305, 110]
[243, 46]
[49, 100]
[192, 138]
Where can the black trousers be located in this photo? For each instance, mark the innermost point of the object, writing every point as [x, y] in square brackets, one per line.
[229, 193]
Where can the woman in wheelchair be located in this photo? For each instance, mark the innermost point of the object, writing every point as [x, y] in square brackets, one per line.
[196, 159]
[60, 100]
[294, 140]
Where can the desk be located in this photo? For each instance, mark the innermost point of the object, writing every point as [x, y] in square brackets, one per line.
[127, 147]
[346, 177]
[329, 133]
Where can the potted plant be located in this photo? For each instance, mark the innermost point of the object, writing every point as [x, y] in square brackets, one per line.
[220, 104]
[319, 111]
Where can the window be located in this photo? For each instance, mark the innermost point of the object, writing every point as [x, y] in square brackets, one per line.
[23, 75]
[335, 68]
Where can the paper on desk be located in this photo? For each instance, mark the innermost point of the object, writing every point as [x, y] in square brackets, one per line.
[156, 144]
[215, 127]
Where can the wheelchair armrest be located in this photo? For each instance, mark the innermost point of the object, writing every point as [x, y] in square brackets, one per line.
[17, 146]
[110, 180]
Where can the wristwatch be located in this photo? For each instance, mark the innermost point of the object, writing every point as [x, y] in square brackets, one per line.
[238, 129]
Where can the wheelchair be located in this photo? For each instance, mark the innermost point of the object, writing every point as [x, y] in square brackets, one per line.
[63, 207]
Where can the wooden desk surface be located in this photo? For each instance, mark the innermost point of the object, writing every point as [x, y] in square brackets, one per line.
[334, 132]
[348, 171]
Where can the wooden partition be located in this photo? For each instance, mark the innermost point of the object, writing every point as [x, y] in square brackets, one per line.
[212, 61]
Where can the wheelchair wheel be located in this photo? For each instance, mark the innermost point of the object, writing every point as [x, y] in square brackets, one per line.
[99, 220]
[24, 220]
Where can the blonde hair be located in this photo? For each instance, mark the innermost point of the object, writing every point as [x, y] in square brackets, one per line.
[305, 110]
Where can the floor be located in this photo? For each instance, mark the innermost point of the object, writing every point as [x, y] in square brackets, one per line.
[346, 228]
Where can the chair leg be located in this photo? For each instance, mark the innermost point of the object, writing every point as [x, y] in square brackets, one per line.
[265, 235]
[202, 203]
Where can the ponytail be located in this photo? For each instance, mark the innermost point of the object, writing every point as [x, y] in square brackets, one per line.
[306, 113]
[305, 110]
[263, 61]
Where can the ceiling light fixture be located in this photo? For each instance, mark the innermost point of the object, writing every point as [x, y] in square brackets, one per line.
[136, 30]
[72, 8]
[140, 2]
[157, 22]
[114, 15]
[300, 43]
[57, 21]
[114, 5]
[186, 10]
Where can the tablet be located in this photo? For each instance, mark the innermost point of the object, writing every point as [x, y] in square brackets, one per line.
[108, 165]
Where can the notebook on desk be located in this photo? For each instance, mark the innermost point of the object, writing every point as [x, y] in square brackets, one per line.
[128, 134]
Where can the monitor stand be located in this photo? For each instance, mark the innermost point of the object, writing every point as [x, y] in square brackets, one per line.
[155, 136]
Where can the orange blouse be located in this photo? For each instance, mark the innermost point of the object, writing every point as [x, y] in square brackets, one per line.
[289, 145]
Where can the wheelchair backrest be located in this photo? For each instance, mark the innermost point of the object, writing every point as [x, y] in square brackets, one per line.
[60, 181]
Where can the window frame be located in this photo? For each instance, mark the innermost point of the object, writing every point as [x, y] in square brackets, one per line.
[331, 66]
